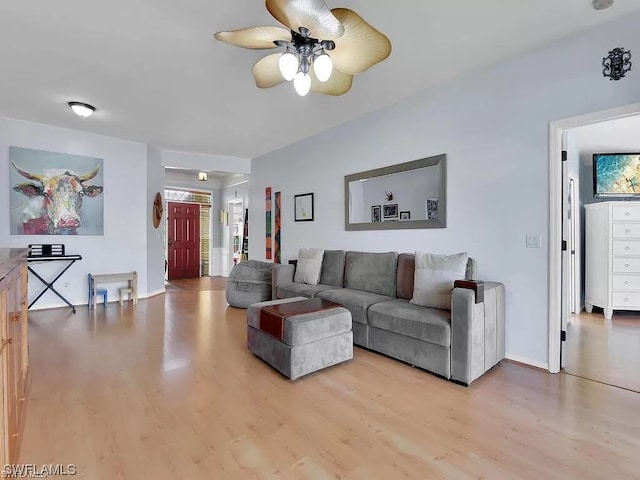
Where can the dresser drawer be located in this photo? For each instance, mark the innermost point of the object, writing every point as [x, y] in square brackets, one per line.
[626, 282]
[626, 230]
[626, 299]
[620, 247]
[626, 212]
[626, 265]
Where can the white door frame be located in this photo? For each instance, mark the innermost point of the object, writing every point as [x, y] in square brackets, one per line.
[576, 245]
[555, 220]
[230, 205]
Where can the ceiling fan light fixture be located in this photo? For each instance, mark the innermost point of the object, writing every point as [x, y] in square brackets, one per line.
[323, 67]
[82, 109]
[601, 4]
[302, 83]
[288, 64]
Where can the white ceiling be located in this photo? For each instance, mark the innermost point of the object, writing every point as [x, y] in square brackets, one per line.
[156, 75]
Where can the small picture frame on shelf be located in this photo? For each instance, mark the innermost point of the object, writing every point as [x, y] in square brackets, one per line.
[375, 214]
[405, 215]
[303, 207]
[390, 212]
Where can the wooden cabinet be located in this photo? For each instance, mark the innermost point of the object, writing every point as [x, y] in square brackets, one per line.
[612, 257]
[14, 352]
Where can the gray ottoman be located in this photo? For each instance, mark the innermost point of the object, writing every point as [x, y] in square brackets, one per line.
[249, 282]
[306, 342]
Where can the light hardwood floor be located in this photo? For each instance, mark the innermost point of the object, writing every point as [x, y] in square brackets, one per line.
[607, 351]
[168, 390]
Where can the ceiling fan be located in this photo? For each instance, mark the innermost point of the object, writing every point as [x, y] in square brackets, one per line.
[323, 48]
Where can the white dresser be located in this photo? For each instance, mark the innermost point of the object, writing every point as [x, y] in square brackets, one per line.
[612, 257]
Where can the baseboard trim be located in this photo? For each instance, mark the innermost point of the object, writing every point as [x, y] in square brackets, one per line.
[527, 361]
[152, 294]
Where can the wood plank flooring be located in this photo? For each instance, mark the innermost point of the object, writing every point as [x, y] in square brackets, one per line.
[607, 351]
[168, 390]
[198, 283]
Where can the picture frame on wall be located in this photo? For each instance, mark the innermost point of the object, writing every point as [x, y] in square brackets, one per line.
[390, 212]
[375, 214]
[405, 215]
[303, 207]
[431, 207]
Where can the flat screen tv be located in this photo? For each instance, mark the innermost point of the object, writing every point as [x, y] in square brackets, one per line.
[616, 175]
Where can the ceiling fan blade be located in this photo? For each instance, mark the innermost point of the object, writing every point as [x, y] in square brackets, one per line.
[311, 14]
[266, 71]
[257, 38]
[338, 84]
[361, 46]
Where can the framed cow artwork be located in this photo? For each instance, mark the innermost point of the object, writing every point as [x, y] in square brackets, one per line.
[55, 193]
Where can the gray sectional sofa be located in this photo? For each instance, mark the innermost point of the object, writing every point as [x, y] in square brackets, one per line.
[376, 288]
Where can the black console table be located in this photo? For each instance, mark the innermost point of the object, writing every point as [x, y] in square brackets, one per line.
[51, 253]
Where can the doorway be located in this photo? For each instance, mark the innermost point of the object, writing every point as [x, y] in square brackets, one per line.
[236, 229]
[183, 240]
[584, 344]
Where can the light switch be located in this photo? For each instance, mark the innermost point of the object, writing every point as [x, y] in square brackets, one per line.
[533, 241]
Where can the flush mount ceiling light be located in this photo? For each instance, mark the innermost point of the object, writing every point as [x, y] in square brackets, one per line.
[202, 176]
[601, 4]
[323, 49]
[82, 109]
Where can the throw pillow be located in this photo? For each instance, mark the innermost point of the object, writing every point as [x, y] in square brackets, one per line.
[309, 266]
[434, 277]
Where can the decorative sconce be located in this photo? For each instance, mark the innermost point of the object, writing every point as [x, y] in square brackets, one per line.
[388, 195]
[221, 216]
[616, 64]
[202, 176]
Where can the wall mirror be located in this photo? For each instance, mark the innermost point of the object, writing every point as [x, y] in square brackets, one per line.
[407, 195]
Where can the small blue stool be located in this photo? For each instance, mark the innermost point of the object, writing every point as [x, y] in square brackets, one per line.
[100, 291]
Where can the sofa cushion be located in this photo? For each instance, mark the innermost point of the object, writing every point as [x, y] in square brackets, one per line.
[332, 272]
[371, 272]
[434, 278]
[406, 272]
[400, 316]
[288, 290]
[356, 301]
[309, 266]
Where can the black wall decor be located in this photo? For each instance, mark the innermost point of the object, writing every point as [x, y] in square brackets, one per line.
[617, 63]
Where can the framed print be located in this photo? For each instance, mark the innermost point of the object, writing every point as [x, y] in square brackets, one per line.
[431, 206]
[390, 211]
[55, 193]
[375, 214]
[303, 207]
[405, 215]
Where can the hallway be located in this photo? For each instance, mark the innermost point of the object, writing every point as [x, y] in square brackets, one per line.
[606, 351]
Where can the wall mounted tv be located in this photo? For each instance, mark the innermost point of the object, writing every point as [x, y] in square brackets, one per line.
[616, 175]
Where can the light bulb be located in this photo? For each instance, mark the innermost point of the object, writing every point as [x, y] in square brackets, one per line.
[323, 66]
[302, 83]
[288, 64]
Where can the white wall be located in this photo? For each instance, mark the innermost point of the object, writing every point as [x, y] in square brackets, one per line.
[494, 127]
[155, 236]
[123, 247]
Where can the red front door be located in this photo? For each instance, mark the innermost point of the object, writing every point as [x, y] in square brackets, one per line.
[184, 240]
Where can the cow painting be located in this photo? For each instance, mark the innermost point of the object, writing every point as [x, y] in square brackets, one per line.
[54, 200]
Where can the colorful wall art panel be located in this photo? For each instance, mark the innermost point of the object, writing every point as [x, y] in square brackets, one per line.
[278, 226]
[268, 250]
